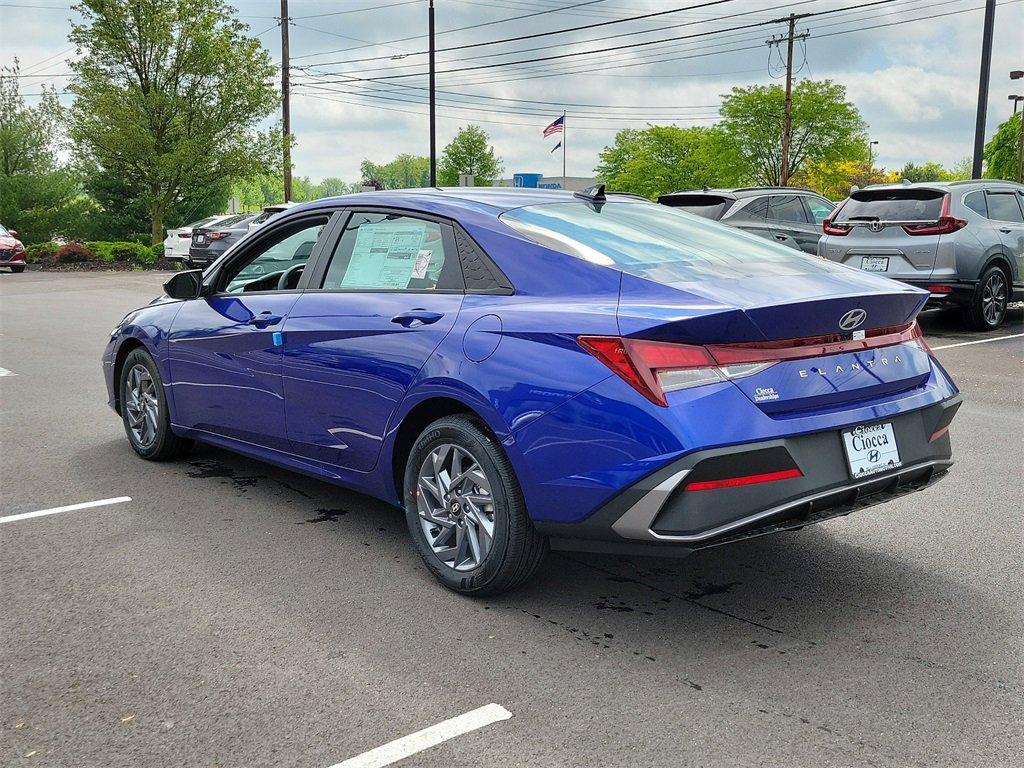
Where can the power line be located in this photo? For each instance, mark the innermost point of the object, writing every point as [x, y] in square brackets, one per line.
[357, 10]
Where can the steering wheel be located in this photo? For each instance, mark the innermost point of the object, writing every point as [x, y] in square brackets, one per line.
[282, 281]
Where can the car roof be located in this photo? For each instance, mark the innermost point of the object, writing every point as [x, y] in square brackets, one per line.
[451, 200]
[947, 185]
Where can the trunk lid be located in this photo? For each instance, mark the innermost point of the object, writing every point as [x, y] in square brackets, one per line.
[755, 318]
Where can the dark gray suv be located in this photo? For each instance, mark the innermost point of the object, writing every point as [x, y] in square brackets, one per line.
[962, 241]
[787, 215]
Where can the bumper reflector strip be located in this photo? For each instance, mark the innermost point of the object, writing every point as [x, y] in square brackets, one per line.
[734, 482]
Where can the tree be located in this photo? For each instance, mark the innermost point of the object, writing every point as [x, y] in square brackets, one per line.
[469, 152]
[835, 180]
[1002, 153]
[666, 158]
[39, 197]
[826, 127]
[404, 172]
[168, 94]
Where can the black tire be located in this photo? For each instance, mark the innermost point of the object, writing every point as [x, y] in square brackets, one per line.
[987, 309]
[164, 444]
[17, 270]
[516, 550]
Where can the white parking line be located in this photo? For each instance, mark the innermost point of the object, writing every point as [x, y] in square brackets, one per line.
[399, 749]
[5, 372]
[69, 508]
[979, 341]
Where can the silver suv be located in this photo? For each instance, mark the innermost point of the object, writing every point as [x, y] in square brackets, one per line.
[962, 241]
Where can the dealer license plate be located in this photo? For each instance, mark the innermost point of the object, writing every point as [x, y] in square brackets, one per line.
[200, 239]
[871, 449]
[874, 263]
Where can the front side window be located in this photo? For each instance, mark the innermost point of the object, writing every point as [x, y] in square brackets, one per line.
[658, 243]
[787, 208]
[1002, 206]
[275, 263]
[391, 252]
[820, 208]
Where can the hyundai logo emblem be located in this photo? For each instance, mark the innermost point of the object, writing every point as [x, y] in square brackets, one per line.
[853, 319]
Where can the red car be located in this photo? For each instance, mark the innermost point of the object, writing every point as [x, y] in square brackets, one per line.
[12, 252]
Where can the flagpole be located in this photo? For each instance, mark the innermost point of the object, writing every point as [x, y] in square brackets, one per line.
[565, 135]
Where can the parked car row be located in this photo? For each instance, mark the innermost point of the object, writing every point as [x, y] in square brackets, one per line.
[962, 241]
[200, 243]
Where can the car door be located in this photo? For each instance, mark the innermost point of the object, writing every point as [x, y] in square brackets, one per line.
[377, 307]
[225, 347]
[751, 216]
[791, 222]
[1004, 209]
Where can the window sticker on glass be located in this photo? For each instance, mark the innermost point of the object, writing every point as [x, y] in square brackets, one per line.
[384, 255]
[419, 270]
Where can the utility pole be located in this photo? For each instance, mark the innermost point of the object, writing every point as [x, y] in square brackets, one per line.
[433, 108]
[986, 66]
[286, 117]
[787, 117]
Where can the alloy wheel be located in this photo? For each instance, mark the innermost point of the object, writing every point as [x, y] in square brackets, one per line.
[456, 507]
[142, 405]
[993, 298]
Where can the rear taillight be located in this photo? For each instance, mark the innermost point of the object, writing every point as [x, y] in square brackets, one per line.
[219, 235]
[834, 229]
[945, 224]
[185, 235]
[654, 368]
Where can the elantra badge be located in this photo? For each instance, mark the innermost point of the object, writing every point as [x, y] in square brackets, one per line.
[853, 319]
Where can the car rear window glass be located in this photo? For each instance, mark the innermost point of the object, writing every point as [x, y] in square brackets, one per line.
[976, 202]
[390, 252]
[657, 242]
[1002, 206]
[892, 205]
[708, 206]
[787, 208]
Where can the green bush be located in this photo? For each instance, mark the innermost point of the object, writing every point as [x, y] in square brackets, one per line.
[133, 252]
[42, 253]
[74, 253]
[102, 250]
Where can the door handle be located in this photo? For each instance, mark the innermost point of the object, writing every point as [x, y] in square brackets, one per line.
[1005, 230]
[414, 318]
[781, 238]
[265, 319]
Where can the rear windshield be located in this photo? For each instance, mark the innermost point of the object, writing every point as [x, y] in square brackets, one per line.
[657, 242]
[892, 205]
[708, 206]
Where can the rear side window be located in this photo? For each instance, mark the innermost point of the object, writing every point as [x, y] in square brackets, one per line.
[892, 205]
[708, 206]
[788, 208]
[976, 202]
[755, 210]
[658, 243]
[1002, 206]
[391, 252]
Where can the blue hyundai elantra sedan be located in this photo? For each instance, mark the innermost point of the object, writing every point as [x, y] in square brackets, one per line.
[523, 370]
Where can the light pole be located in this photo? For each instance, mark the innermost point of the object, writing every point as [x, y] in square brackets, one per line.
[1017, 74]
[1016, 100]
[871, 161]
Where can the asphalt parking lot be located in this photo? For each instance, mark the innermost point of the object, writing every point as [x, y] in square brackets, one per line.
[234, 614]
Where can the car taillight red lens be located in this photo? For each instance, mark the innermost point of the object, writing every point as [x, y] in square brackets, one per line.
[218, 235]
[945, 224]
[736, 482]
[654, 368]
[185, 235]
[834, 229]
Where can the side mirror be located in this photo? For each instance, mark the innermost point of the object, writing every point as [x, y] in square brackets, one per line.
[185, 285]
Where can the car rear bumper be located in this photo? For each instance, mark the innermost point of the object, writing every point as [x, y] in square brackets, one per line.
[660, 515]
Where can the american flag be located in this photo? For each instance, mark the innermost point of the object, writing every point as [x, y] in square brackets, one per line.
[555, 127]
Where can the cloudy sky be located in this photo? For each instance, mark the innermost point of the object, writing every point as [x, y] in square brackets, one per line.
[911, 66]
